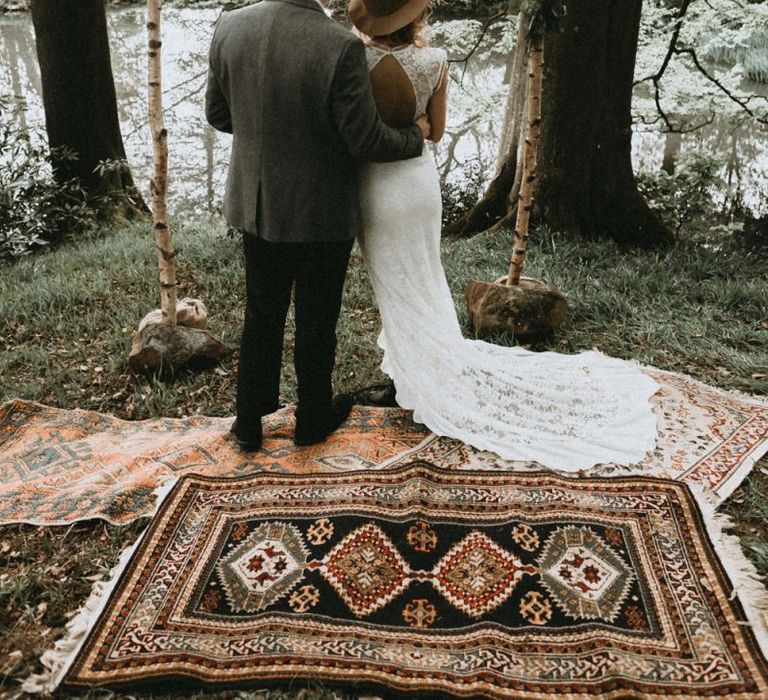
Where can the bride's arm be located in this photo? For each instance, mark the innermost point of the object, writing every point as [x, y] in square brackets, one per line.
[437, 109]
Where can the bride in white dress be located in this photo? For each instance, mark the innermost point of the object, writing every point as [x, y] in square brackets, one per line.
[567, 412]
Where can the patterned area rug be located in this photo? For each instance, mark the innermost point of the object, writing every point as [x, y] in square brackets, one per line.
[708, 438]
[420, 580]
[59, 466]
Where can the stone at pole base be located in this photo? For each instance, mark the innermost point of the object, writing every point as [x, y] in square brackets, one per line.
[526, 311]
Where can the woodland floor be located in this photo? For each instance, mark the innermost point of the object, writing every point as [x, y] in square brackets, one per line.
[66, 319]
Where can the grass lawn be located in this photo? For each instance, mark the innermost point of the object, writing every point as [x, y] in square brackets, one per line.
[66, 318]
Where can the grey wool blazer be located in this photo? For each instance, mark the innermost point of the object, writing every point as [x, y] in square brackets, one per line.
[291, 85]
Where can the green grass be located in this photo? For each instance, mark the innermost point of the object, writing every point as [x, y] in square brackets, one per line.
[687, 309]
[67, 315]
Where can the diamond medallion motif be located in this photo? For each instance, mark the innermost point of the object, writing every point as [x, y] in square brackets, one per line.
[263, 568]
[477, 575]
[587, 579]
[366, 570]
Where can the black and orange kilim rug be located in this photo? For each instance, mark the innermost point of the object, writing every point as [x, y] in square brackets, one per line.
[424, 581]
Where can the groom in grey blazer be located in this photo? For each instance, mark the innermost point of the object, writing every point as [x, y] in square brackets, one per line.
[292, 87]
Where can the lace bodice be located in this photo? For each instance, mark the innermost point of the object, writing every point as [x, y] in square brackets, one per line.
[425, 68]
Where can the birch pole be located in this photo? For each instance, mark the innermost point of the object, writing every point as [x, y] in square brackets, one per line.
[159, 182]
[525, 308]
[532, 132]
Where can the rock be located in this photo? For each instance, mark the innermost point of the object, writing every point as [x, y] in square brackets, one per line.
[189, 312]
[526, 311]
[166, 348]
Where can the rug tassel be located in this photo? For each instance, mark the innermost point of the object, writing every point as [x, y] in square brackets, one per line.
[56, 661]
[747, 584]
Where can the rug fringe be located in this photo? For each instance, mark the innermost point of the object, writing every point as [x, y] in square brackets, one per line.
[650, 370]
[57, 661]
[747, 583]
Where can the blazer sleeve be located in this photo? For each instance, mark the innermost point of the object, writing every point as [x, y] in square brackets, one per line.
[356, 118]
[216, 105]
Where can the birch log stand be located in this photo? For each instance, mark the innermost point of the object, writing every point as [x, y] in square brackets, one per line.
[174, 335]
[524, 307]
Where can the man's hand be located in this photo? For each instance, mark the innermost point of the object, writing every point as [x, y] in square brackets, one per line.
[423, 123]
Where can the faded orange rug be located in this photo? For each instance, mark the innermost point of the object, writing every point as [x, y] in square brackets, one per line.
[59, 466]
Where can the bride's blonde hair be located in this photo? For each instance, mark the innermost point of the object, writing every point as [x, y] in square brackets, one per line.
[413, 33]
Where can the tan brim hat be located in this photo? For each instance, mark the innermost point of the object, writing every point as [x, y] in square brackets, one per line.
[382, 17]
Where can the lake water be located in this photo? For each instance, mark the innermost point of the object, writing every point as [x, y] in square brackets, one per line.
[198, 154]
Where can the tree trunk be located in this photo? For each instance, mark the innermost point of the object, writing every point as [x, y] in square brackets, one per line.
[672, 143]
[503, 187]
[585, 178]
[80, 102]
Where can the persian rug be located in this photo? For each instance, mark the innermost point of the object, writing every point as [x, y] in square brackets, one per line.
[420, 580]
[59, 466]
[707, 437]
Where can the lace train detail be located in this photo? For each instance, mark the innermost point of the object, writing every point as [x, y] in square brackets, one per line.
[567, 412]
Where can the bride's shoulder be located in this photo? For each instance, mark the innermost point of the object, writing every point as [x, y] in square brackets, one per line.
[435, 51]
[437, 60]
[435, 55]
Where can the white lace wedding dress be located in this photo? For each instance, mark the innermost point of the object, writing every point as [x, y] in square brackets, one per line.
[566, 412]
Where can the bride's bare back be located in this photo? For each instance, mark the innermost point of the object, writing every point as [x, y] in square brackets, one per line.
[393, 92]
[407, 82]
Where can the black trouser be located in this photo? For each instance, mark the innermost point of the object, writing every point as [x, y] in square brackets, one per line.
[271, 269]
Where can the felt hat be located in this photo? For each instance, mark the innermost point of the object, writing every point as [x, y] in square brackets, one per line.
[382, 17]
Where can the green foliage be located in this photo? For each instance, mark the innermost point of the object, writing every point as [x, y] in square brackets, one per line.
[685, 200]
[460, 193]
[34, 209]
[730, 39]
[740, 38]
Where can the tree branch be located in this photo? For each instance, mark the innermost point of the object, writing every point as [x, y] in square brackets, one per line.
[674, 50]
[486, 26]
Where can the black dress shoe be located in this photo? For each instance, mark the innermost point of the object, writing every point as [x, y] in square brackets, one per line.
[250, 442]
[381, 395]
[312, 431]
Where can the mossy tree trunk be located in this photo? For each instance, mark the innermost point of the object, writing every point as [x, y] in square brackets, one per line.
[493, 205]
[80, 102]
[585, 179]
